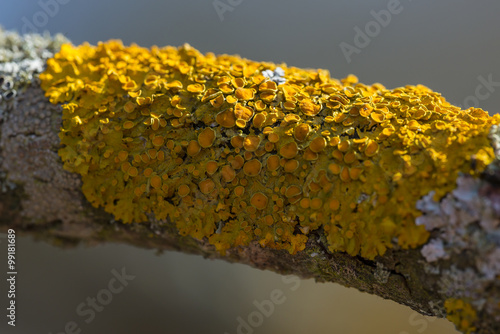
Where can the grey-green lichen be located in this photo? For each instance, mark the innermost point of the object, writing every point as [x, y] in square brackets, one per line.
[28, 132]
[466, 221]
[381, 273]
[22, 58]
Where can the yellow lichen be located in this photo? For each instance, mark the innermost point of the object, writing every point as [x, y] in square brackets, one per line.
[205, 138]
[259, 201]
[462, 314]
[212, 144]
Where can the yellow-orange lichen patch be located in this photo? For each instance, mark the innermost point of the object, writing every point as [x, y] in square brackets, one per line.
[193, 148]
[462, 314]
[301, 131]
[318, 144]
[237, 141]
[305, 203]
[158, 141]
[244, 94]
[259, 201]
[273, 162]
[258, 120]
[238, 82]
[355, 172]
[273, 137]
[122, 155]
[148, 171]
[365, 110]
[226, 118]
[237, 162]
[243, 113]
[334, 204]
[183, 190]
[293, 191]
[195, 88]
[289, 150]
[316, 203]
[349, 157]
[267, 97]
[239, 191]
[371, 148]
[309, 155]
[414, 125]
[268, 86]
[289, 105]
[132, 171]
[309, 108]
[344, 174]
[260, 105]
[211, 94]
[251, 143]
[291, 166]
[211, 167]
[231, 99]
[377, 115]
[129, 107]
[217, 102]
[334, 141]
[128, 125]
[209, 141]
[291, 118]
[174, 85]
[156, 182]
[252, 167]
[228, 174]
[334, 168]
[207, 186]
[206, 137]
[344, 145]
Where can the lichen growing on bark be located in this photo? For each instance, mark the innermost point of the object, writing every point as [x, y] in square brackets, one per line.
[22, 58]
[28, 131]
[461, 314]
[235, 150]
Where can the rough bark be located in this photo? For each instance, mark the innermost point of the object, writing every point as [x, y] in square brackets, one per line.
[40, 199]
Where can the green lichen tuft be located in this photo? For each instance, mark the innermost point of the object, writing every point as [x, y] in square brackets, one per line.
[235, 150]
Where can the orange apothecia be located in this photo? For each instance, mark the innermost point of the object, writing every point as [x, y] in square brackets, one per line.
[266, 153]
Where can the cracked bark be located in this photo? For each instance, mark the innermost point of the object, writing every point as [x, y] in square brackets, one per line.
[40, 199]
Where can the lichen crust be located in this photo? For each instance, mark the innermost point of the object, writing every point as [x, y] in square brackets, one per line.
[462, 314]
[22, 58]
[234, 150]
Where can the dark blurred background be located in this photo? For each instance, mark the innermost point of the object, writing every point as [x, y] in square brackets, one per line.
[450, 46]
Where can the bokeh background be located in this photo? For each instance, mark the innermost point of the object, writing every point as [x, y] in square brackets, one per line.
[451, 46]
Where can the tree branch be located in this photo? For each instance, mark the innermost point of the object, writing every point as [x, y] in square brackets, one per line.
[454, 273]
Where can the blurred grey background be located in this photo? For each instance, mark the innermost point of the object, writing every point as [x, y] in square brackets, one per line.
[450, 46]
